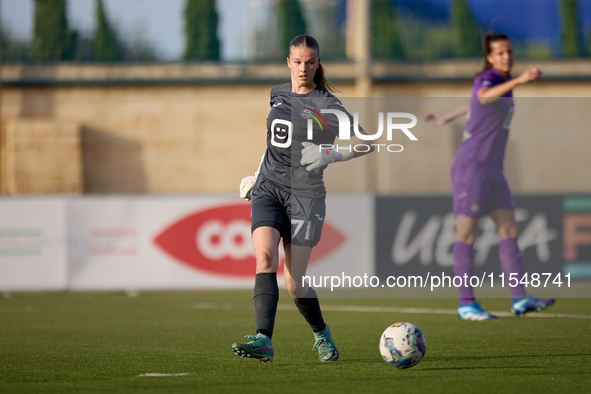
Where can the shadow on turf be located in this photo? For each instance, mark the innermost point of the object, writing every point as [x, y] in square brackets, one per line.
[499, 357]
[288, 364]
[468, 368]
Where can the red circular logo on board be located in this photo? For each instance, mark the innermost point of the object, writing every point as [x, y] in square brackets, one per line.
[218, 241]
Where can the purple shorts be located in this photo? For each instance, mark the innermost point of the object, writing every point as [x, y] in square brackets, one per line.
[479, 188]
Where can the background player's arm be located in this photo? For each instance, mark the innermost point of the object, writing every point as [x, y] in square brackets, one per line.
[440, 120]
[492, 94]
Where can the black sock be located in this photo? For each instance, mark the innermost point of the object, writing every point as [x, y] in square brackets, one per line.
[265, 297]
[309, 307]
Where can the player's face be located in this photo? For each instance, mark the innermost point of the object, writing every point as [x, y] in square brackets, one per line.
[303, 63]
[501, 56]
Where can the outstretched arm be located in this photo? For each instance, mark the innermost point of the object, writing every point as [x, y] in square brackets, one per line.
[361, 150]
[490, 95]
[316, 157]
[441, 120]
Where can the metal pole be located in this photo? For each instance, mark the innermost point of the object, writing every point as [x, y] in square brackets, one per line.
[362, 48]
[362, 55]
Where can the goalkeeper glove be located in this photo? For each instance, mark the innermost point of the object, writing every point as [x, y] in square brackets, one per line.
[247, 184]
[316, 159]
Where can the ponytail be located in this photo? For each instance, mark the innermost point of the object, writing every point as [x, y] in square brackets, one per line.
[320, 79]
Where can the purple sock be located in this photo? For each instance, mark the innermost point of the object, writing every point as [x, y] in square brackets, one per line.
[464, 265]
[512, 263]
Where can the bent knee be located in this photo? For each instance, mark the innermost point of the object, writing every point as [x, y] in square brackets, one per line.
[265, 262]
[508, 231]
[297, 291]
[466, 238]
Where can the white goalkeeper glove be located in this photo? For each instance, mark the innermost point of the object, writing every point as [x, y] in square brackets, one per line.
[316, 158]
[247, 184]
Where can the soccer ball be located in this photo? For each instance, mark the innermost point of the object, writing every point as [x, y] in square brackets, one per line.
[402, 345]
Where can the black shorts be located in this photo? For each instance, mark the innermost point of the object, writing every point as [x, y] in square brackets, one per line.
[298, 219]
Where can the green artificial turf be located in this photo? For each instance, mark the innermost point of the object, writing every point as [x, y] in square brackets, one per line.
[88, 343]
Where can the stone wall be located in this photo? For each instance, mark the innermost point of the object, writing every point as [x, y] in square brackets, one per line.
[171, 130]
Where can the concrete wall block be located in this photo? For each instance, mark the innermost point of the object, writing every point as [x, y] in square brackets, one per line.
[42, 157]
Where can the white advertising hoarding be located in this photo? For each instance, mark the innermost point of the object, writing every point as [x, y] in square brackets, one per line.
[33, 244]
[135, 243]
[143, 243]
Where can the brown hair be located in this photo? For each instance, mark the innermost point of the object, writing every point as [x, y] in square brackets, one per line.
[489, 37]
[310, 42]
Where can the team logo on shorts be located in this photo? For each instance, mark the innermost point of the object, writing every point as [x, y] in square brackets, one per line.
[475, 207]
[306, 111]
[466, 136]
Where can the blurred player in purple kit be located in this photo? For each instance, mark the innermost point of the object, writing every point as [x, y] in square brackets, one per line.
[479, 185]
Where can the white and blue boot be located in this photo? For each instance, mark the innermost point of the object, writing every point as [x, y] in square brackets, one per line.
[474, 312]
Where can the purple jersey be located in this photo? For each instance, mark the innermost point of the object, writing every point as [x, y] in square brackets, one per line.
[487, 125]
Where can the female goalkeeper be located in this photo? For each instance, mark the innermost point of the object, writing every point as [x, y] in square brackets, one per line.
[479, 185]
[288, 196]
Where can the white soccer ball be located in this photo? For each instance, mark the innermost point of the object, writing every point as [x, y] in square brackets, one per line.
[402, 345]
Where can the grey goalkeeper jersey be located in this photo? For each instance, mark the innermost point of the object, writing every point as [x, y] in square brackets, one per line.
[291, 119]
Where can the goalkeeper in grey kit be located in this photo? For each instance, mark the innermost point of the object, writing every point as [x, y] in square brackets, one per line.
[288, 196]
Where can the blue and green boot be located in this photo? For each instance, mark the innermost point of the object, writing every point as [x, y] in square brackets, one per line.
[327, 351]
[260, 347]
